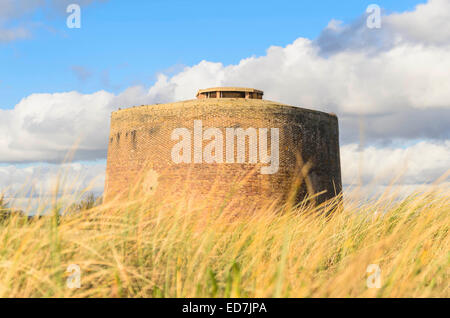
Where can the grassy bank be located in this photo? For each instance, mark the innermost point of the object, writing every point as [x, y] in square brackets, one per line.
[175, 248]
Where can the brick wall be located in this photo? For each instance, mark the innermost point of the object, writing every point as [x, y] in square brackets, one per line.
[140, 148]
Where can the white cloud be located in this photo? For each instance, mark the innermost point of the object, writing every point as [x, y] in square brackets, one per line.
[44, 127]
[411, 77]
[40, 180]
[424, 162]
[428, 23]
[31, 188]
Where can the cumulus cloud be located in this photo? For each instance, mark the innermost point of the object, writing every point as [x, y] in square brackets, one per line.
[30, 188]
[405, 77]
[421, 163]
[41, 180]
[395, 171]
[44, 127]
[427, 25]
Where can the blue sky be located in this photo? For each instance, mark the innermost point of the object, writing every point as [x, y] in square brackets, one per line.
[126, 43]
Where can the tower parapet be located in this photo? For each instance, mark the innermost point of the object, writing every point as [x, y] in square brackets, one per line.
[230, 92]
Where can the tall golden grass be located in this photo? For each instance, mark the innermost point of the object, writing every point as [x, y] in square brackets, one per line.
[180, 247]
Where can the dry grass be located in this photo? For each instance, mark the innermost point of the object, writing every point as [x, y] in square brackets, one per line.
[177, 248]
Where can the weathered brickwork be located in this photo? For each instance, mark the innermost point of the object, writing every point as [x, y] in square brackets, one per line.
[140, 148]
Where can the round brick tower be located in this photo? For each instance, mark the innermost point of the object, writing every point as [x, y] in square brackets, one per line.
[227, 133]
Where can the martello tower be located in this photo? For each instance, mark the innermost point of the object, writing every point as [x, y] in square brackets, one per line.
[225, 134]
